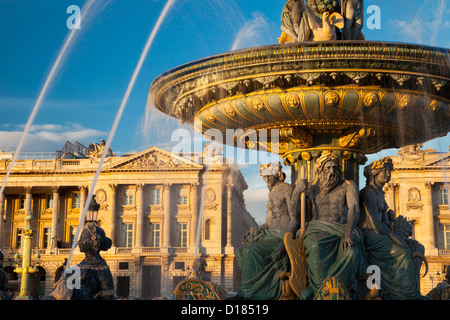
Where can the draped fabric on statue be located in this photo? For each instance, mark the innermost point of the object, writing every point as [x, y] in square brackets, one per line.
[260, 267]
[398, 280]
[325, 256]
[287, 26]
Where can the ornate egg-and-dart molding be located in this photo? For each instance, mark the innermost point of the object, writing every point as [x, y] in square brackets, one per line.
[283, 61]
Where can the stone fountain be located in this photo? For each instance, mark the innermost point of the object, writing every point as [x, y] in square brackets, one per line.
[322, 89]
[351, 97]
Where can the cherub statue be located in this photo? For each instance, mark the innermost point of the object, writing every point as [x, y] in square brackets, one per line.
[353, 13]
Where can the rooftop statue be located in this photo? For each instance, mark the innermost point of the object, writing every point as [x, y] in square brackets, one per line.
[386, 239]
[96, 150]
[263, 257]
[319, 20]
[333, 245]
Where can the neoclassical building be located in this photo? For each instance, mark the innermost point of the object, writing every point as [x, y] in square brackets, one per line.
[418, 190]
[151, 203]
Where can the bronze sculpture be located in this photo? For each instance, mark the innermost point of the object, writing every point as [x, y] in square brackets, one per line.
[5, 292]
[353, 13]
[393, 253]
[332, 242]
[96, 281]
[352, 98]
[262, 257]
[300, 23]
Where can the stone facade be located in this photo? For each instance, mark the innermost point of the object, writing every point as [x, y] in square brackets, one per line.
[418, 190]
[150, 208]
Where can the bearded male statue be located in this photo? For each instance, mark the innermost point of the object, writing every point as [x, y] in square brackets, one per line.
[333, 244]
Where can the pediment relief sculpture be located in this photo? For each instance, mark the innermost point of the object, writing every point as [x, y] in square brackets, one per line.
[153, 159]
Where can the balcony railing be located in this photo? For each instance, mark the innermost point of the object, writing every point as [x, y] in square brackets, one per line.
[9, 253]
[444, 252]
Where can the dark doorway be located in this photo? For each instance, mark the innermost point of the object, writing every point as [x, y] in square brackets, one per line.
[123, 287]
[151, 282]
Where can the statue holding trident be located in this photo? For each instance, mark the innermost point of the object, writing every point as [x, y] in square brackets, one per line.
[332, 244]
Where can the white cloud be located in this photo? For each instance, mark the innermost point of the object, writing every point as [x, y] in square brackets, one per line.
[426, 25]
[47, 137]
[255, 32]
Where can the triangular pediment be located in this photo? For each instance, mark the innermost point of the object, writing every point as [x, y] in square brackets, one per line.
[154, 159]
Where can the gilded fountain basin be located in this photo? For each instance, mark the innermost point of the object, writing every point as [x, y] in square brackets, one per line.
[360, 95]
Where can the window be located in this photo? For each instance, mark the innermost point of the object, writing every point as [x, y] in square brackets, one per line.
[182, 235]
[442, 195]
[128, 196]
[208, 229]
[76, 200]
[155, 234]
[46, 237]
[155, 196]
[22, 202]
[124, 265]
[49, 202]
[179, 265]
[19, 238]
[183, 196]
[127, 235]
[445, 236]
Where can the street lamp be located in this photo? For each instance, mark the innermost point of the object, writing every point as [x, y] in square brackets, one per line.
[92, 212]
[26, 269]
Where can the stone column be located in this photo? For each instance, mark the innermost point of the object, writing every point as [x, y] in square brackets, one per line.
[195, 214]
[428, 230]
[112, 230]
[229, 246]
[55, 217]
[28, 199]
[83, 194]
[140, 215]
[167, 215]
[165, 290]
[28, 211]
[389, 195]
[2, 209]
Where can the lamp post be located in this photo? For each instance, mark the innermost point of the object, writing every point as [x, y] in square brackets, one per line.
[92, 211]
[26, 269]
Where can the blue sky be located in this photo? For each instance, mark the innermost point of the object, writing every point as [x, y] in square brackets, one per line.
[83, 100]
